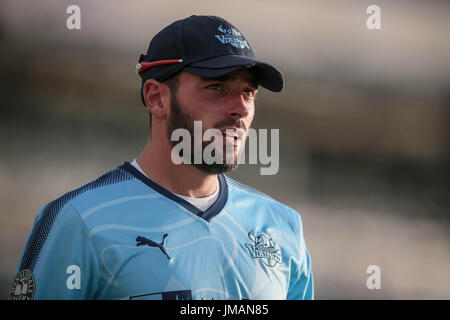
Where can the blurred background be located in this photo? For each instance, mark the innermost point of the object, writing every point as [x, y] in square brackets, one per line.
[364, 124]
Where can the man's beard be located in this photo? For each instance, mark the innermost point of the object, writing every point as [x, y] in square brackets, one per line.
[180, 120]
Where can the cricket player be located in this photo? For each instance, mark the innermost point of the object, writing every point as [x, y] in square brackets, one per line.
[154, 228]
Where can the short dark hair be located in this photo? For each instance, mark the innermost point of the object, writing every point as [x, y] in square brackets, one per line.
[173, 82]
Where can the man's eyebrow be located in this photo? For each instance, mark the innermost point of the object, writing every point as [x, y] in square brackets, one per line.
[250, 79]
[220, 78]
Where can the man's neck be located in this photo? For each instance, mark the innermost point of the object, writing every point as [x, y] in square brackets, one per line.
[183, 179]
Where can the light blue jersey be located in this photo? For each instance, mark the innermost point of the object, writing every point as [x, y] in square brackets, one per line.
[123, 236]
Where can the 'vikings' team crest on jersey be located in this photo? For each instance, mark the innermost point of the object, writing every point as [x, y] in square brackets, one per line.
[123, 236]
[264, 248]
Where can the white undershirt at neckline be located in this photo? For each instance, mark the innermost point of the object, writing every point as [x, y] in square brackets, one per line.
[201, 203]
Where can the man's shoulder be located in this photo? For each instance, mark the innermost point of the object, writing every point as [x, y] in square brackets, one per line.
[98, 190]
[260, 197]
[240, 187]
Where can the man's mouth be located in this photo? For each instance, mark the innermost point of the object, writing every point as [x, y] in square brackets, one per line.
[233, 135]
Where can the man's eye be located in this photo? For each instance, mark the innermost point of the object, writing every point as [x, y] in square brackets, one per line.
[215, 86]
[250, 92]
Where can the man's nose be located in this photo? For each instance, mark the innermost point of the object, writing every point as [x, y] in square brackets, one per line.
[238, 108]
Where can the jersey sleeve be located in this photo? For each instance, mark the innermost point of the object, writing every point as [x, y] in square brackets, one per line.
[301, 286]
[58, 261]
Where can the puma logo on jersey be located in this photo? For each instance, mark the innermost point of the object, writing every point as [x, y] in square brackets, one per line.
[141, 241]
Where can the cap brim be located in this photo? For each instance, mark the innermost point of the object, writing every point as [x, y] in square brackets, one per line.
[267, 76]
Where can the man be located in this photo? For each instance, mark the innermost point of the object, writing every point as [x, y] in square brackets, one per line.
[156, 229]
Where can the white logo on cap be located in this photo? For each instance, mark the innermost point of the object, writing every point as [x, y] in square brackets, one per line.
[233, 37]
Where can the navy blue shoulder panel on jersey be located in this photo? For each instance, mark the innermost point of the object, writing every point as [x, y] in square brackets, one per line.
[44, 225]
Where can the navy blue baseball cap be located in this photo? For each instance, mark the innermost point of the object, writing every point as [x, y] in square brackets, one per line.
[207, 46]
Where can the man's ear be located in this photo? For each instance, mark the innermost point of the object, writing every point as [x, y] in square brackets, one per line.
[157, 98]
